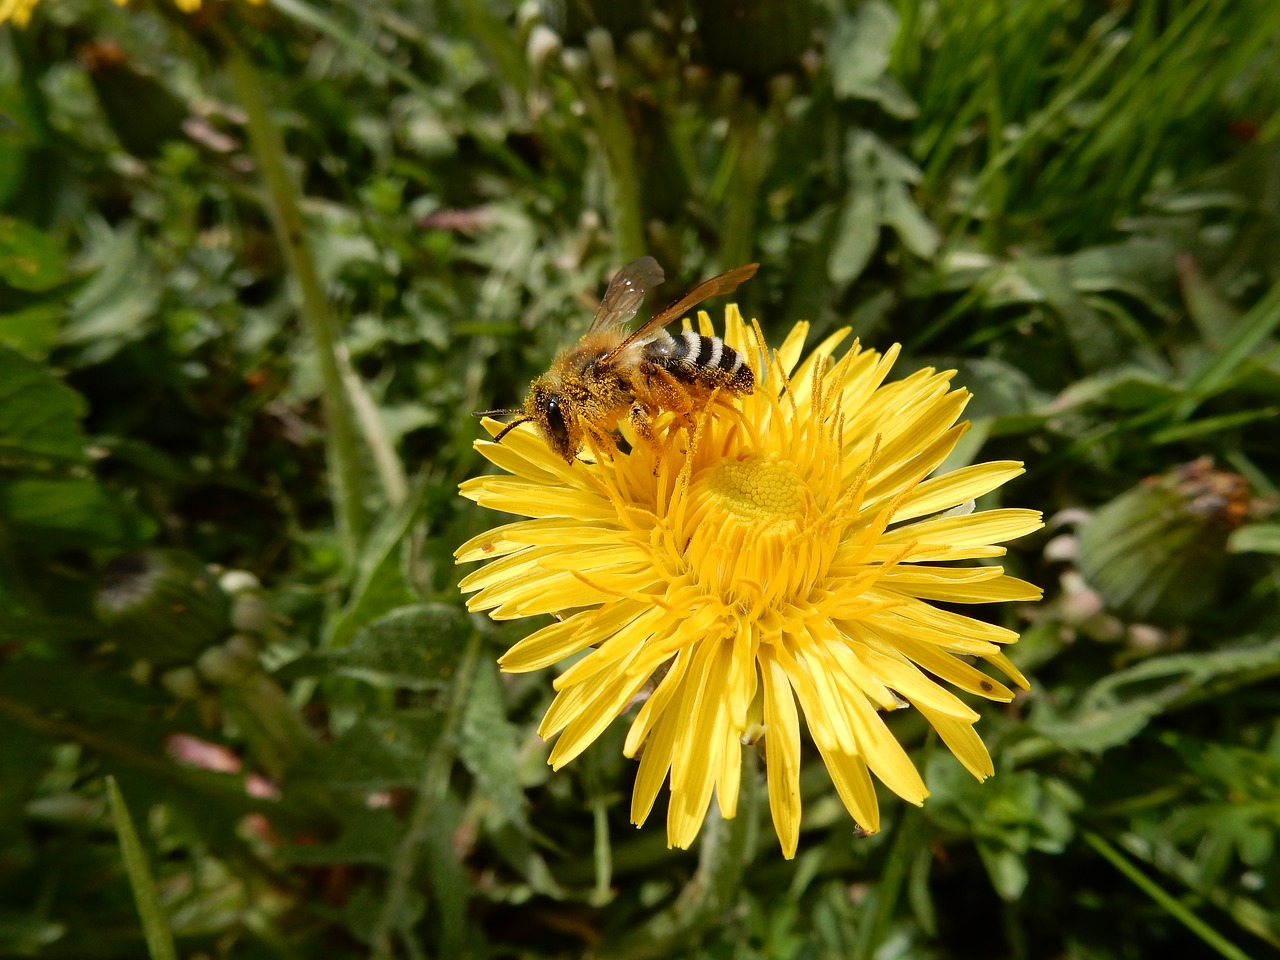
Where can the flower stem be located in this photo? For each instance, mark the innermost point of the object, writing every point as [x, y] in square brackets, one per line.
[433, 790]
[624, 186]
[752, 137]
[598, 87]
[341, 439]
[725, 849]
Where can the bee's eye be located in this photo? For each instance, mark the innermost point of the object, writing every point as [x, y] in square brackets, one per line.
[555, 421]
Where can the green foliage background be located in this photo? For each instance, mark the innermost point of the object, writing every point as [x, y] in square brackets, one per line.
[257, 264]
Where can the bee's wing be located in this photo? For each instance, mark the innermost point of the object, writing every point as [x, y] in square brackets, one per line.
[717, 285]
[626, 293]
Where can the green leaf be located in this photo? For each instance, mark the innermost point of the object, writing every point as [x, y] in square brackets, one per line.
[29, 258]
[1214, 317]
[1107, 715]
[33, 330]
[80, 690]
[857, 236]
[368, 836]
[488, 746]
[415, 647]
[861, 45]
[1140, 267]
[1255, 538]
[123, 296]
[155, 926]
[72, 511]
[1238, 350]
[1127, 388]
[1093, 338]
[359, 913]
[381, 584]
[39, 415]
[999, 389]
[377, 753]
[912, 227]
[1006, 868]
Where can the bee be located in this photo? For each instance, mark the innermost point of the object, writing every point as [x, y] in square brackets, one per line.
[610, 373]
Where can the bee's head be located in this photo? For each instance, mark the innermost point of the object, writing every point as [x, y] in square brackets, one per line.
[554, 415]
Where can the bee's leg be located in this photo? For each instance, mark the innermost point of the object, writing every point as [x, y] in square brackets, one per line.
[664, 391]
[642, 422]
[604, 444]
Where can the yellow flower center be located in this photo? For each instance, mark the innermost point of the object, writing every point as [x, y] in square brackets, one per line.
[749, 531]
[759, 494]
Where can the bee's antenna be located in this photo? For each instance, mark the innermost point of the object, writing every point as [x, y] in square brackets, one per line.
[510, 426]
[494, 413]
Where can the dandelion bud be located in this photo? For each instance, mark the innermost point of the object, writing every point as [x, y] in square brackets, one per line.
[161, 605]
[1156, 552]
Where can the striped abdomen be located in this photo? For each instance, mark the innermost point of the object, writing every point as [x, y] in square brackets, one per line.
[706, 361]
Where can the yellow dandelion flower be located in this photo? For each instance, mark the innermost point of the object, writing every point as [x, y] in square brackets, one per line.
[780, 563]
[19, 11]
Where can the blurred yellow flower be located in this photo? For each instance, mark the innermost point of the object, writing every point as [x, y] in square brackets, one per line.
[781, 562]
[19, 11]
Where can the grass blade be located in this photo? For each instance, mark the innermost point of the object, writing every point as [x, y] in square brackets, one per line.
[155, 927]
[1170, 904]
[1250, 333]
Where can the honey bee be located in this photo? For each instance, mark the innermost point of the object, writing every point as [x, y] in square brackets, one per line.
[610, 374]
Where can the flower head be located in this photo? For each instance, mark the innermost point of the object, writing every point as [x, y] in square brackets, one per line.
[777, 561]
[19, 11]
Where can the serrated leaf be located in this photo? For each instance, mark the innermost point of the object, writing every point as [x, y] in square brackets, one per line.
[77, 511]
[39, 415]
[32, 331]
[999, 388]
[93, 693]
[1105, 716]
[1140, 267]
[893, 98]
[1092, 337]
[488, 745]
[123, 295]
[860, 46]
[368, 836]
[416, 647]
[912, 227]
[857, 236]
[360, 913]
[875, 154]
[380, 581]
[29, 258]
[376, 753]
